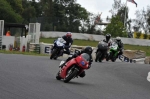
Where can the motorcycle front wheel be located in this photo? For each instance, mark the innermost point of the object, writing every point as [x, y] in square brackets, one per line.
[113, 58]
[98, 56]
[57, 76]
[70, 74]
[53, 53]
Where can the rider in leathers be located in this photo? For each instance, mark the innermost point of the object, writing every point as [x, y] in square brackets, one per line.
[69, 41]
[120, 45]
[107, 40]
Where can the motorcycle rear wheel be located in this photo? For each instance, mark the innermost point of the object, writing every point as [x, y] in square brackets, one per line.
[72, 74]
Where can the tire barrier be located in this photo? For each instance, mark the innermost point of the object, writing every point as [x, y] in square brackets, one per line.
[10, 47]
[37, 49]
[126, 59]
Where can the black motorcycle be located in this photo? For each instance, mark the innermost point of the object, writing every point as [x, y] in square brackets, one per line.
[101, 51]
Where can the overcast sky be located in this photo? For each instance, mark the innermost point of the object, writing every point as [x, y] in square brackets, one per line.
[98, 6]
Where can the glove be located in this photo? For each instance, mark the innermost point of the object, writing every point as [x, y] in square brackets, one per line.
[104, 40]
[75, 55]
[120, 49]
[64, 46]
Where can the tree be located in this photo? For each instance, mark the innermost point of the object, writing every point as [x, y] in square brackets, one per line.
[115, 28]
[142, 20]
[16, 5]
[121, 10]
[68, 15]
[29, 13]
[8, 14]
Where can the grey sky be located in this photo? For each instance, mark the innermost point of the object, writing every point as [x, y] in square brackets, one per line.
[98, 6]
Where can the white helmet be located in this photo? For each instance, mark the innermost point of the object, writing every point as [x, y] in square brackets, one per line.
[118, 38]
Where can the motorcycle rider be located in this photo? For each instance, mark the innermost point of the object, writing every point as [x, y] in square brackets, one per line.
[69, 41]
[120, 45]
[107, 40]
[87, 50]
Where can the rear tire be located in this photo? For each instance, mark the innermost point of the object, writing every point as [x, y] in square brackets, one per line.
[71, 75]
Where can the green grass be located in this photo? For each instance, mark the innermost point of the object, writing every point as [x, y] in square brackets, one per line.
[94, 44]
[137, 47]
[76, 42]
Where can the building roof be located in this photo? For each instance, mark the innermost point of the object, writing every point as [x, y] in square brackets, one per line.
[16, 25]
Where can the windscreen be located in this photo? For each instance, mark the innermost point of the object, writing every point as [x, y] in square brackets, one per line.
[61, 40]
[103, 43]
[114, 44]
[85, 56]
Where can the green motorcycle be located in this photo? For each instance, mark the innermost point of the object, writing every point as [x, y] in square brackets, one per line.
[113, 52]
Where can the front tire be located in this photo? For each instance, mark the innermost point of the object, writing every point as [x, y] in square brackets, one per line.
[57, 76]
[71, 75]
[113, 60]
[112, 57]
[97, 56]
[53, 53]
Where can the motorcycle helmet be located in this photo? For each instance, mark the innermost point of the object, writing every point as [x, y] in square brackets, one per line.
[68, 34]
[118, 39]
[88, 50]
[108, 36]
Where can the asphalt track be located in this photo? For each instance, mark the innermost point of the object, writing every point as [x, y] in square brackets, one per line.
[33, 77]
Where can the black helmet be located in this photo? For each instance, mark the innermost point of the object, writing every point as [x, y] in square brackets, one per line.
[88, 50]
[108, 36]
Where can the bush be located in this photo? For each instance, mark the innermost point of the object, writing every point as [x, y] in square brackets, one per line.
[138, 34]
[145, 36]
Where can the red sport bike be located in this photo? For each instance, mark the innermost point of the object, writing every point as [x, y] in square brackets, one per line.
[73, 68]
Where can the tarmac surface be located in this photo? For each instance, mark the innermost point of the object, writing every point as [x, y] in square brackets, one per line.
[33, 77]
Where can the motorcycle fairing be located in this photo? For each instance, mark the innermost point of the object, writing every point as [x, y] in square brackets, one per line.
[78, 61]
[81, 62]
[69, 64]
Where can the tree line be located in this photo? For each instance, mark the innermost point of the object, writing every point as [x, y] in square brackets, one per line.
[68, 15]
